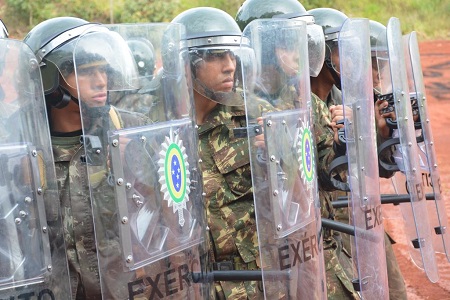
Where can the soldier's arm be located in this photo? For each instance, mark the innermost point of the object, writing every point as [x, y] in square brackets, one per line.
[324, 137]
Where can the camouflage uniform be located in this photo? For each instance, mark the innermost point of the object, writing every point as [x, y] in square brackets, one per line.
[229, 198]
[339, 284]
[73, 185]
[397, 288]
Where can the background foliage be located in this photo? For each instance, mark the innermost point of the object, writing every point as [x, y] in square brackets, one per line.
[428, 17]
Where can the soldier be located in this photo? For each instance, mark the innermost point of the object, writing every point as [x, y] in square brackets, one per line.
[213, 40]
[53, 43]
[384, 109]
[256, 9]
[326, 86]
[32, 254]
[339, 285]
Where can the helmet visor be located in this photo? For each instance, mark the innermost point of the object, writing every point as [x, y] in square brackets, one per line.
[316, 48]
[91, 54]
[381, 75]
[217, 72]
[108, 52]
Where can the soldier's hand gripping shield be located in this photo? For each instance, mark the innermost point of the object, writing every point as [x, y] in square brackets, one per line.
[368, 253]
[144, 180]
[428, 162]
[283, 161]
[409, 179]
[33, 261]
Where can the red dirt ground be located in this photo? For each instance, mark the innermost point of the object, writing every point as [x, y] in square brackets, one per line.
[435, 58]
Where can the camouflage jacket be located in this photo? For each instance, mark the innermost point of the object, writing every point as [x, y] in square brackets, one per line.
[73, 185]
[339, 284]
[227, 183]
[324, 142]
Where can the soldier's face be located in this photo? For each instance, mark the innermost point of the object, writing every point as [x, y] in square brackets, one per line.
[92, 84]
[380, 72]
[216, 71]
[288, 60]
[375, 73]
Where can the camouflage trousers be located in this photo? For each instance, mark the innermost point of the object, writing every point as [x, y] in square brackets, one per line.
[397, 288]
[239, 290]
[339, 284]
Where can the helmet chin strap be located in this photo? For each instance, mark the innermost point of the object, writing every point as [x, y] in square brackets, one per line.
[60, 98]
[334, 73]
[207, 92]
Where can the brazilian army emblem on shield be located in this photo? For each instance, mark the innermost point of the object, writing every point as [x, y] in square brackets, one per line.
[305, 151]
[174, 174]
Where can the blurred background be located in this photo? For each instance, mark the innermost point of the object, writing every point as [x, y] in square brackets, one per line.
[430, 18]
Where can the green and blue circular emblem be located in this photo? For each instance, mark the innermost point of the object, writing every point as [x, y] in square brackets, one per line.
[307, 154]
[175, 173]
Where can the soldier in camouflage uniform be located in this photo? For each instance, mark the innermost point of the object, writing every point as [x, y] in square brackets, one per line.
[327, 88]
[339, 284]
[213, 39]
[52, 41]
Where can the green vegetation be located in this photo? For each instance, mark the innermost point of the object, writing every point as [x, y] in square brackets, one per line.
[429, 18]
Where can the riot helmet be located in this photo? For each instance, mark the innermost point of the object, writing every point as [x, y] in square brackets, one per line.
[266, 9]
[144, 55]
[213, 37]
[3, 30]
[289, 9]
[103, 63]
[331, 21]
[47, 40]
[62, 53]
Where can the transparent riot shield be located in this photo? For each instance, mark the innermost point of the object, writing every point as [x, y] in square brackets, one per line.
[368, 253]
[282, 160]
[32, 252]
[144, 179]
[409, 179]
[428, 162]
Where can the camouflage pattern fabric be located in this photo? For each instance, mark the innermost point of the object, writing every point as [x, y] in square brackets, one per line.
[73, 185]
[338, 278]
[397, 287]
[77, 217]
[229, 197]
[282, 97]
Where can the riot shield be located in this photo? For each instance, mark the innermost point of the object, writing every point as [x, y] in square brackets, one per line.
[428, 162]
[32, 251]
[407, 158]
[368, 253]
[144, 180]
[284, 168]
